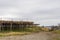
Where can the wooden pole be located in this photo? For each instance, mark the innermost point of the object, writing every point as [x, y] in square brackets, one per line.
[0, 27]
[11, 27]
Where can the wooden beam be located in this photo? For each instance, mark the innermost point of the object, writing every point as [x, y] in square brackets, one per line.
[0, 27]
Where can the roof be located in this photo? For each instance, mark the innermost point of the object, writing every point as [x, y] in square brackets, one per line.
[18, 22]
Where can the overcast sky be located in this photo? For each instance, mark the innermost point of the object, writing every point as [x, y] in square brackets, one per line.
[44, 12]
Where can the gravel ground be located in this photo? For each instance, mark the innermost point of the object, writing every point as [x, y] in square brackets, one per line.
[34, 36]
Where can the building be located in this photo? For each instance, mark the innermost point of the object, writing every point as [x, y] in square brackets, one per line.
[15, 25]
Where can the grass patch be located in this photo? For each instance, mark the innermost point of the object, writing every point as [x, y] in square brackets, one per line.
[24, 31]
[14, 33]
[56, 31]
[33, 29]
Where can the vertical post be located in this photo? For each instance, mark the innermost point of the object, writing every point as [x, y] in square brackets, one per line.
[19, 27]
[0, 27]
[11, 27]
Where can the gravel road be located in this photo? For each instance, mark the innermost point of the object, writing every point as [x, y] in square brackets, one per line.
[34, 36]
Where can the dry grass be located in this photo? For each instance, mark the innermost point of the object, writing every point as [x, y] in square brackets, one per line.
[56, 35]
[14, 33]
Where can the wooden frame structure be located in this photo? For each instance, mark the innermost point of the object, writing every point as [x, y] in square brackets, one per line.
[11, 25]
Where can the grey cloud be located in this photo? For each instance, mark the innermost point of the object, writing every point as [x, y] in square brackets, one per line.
[35, 10]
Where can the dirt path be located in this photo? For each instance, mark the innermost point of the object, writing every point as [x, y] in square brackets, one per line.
[34, 36]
